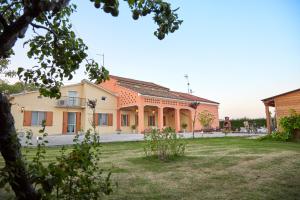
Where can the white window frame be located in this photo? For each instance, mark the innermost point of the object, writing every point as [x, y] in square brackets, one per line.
[100, 117]
[39, 121]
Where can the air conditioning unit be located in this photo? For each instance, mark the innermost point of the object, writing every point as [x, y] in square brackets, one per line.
[61, 102]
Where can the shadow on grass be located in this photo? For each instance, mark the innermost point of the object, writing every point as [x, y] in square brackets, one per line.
[154, 164]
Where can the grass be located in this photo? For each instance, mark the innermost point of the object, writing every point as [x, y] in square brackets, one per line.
[213, 168]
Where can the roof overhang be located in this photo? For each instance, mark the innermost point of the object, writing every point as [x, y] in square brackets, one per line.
[201, 102]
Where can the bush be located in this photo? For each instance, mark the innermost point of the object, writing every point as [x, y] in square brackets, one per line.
[164, 145]
[291, 124]
[75, 174]
[276, 136]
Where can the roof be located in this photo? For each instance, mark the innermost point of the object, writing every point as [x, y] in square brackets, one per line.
[155, 90]
[273, 97]
[70, 85]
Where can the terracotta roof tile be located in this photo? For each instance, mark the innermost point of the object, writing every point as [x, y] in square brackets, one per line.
[152, 89]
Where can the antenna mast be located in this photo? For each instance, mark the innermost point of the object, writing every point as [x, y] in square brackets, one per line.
[188, 83]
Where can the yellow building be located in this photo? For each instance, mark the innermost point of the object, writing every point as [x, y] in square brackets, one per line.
[122, 105]
[66, 115]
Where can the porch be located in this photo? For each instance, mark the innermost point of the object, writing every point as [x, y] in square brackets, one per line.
[146, 117]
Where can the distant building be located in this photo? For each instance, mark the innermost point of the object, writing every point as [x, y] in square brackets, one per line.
[283, 104]
[121, 103]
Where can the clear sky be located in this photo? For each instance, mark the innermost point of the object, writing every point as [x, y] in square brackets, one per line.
[235, 52]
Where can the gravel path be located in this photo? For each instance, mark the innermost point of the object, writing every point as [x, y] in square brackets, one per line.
[58, 140]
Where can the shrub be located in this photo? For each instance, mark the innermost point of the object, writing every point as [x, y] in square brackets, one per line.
[164, 145]
[276, 136]
[290, 124]
[206, 119]
[75, 174]
[184, 126]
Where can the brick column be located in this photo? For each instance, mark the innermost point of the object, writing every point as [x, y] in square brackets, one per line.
[191, 118]
[160, 118]
[118, 119]
[177, 120]
[141, 127]
[268, 117]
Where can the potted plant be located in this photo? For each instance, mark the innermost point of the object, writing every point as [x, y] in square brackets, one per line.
[118, 131]
[133, 128]
[184, 126]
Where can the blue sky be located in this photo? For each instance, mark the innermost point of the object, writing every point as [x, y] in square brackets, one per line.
[235, 52]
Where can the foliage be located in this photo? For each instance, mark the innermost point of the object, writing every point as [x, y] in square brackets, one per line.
[206, 119]
[56, 49]
[75, 174]
[133, 127]
[55, 46]
[290, 124]
[16, 87]
[236, 124]
[276, 136]
[184, 125]
[164, 145]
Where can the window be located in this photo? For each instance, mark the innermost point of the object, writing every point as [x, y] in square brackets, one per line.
[125, 120]
[72, 98]
[151, 121]
[103, 119]
[37, 118]
[165, 121]
[103, 98]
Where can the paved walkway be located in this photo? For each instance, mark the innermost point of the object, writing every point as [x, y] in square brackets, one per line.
[59, 140]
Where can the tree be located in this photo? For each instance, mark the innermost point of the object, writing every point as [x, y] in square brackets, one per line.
[206, 119]
[58, 52]
[194, 105]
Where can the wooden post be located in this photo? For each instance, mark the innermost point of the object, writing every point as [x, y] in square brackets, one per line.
[268, 118]
[177, 120]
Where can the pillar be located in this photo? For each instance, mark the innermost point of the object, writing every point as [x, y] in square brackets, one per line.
[191, 120]
[268, 118]
[177, 120]
[118, 119]
[141, 119]
[160, 118]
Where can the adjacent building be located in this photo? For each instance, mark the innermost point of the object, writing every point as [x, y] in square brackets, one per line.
[283, 104]
[123, 105]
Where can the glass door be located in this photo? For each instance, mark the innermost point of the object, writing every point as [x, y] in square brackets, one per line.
[72, 95]
[71, 122]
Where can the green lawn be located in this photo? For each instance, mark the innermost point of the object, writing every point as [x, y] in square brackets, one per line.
[216, 168]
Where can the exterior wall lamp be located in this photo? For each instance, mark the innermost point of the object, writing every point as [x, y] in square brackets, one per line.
[22, 109]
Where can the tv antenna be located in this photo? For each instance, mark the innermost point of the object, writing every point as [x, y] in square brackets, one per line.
[102, 55]
[188, 83]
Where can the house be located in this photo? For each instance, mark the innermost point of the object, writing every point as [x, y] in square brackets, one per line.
[123, 104]
[283, 104]
[66, 115]
[148, 105]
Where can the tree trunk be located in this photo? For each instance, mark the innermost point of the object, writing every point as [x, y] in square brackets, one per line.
[194, 123]
[10, 148]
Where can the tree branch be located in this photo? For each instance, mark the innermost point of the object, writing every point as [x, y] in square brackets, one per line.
[44, 27]
[3, 22]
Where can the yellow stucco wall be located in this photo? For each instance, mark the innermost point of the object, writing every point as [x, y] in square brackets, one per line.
[32, 102]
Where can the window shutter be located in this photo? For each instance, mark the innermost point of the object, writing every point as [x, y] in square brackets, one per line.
[49, 118]
[154, 122]
[149, 120]
[78, 121]
[110, 119]
[96, 118]
[128, 120]
[65, 123]
[27, 118]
